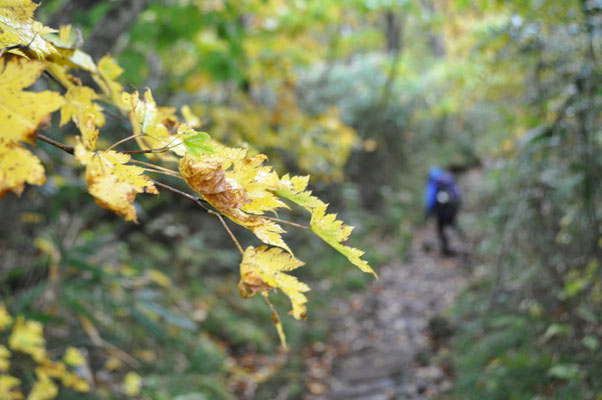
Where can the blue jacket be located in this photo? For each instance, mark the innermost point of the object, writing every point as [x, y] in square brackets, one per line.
[438, 178]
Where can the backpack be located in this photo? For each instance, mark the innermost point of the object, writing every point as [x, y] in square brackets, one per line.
[447, 198]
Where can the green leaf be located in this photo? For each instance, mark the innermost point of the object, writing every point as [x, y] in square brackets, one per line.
[199, 144]
[591, 342]
[565, 371]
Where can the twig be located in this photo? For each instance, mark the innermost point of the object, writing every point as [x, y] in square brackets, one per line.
[124, 140]
[172, 189]
[167, 170]
[64, 147]
[199, 202]
[158, 171]
[55, 79]
[287, 222]
[218, 215]
[161, 150]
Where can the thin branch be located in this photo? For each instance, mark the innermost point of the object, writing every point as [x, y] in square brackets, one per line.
[124, 140]
[55, 79]
[64, 147]
[199, 202]
[172, 189]
[147, 151]
[166, 170]
[283, 221]
[156, 171]
[218, 215]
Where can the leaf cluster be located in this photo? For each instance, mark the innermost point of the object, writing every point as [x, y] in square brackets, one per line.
[227, 182]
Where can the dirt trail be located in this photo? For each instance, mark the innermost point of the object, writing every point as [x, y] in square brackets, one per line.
[382, 341]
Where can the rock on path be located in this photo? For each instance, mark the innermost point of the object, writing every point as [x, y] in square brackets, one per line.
[382, 338]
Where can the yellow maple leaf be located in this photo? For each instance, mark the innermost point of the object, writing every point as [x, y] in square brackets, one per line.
[71, 380]
[53, 369]
[114, 184]
[18, 28]
[78, 104]
[74, 357]
[157, 125]
[8, 386]
[108, 72]
[4, 358]
[5, 318]
[17, 167]
[263, 269]
[334, 232]
[43, 389]
[256, 179]
[293, 189]
[22, 112]
[226, 190]
[89, 133]
[113, 364]
[27, 337]
[132, 383]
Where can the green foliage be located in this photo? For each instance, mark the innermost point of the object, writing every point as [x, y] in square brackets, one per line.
[542, 214]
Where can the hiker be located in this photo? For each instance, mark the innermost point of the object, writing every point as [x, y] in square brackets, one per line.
[442, 199]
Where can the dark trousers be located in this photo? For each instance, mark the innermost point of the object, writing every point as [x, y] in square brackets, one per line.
[445, 218]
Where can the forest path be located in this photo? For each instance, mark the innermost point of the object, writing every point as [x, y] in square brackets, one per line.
[384, 338]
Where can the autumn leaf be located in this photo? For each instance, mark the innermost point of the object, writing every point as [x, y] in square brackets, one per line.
[71, 380]
[79, 103]
[43, 389]
[22, 112]
[207, 176]
[334, 232]
[8, 388]
[18, 28]
[53, 369]
[256, 179]
[89, 133]
[132, 383]
[5, 319]
[263, 269]
[4, 358]
[108, 72]
[27, 337]
[293, 189]
[17, 167]
[74, 357]
[155, 127]
[237, 187]
[114, 184]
